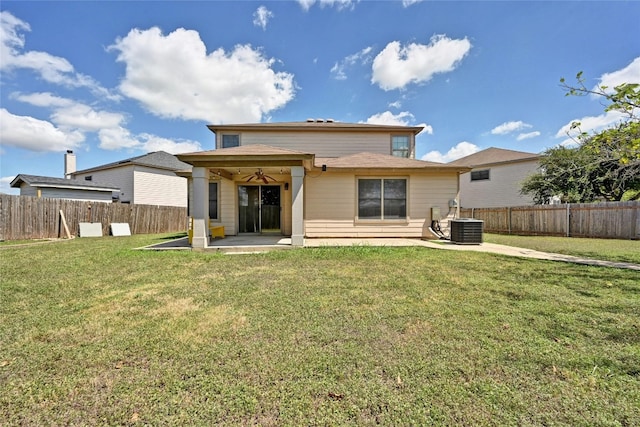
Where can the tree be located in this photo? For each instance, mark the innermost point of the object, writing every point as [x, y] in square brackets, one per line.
[604, 165]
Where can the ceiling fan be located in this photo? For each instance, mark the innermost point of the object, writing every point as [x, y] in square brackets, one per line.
[259, 175]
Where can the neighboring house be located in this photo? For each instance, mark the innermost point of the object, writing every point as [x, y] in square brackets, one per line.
[317, 179]
[495, 178]
[61, 188]
[149, 179]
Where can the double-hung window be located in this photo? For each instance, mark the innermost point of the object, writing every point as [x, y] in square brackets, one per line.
[230, 140]
[213, 200]
[400, 146]
[382, 198]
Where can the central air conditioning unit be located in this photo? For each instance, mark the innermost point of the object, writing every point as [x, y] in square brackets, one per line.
[466, 231]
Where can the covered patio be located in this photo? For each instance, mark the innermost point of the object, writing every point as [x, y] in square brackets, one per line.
[260, 194]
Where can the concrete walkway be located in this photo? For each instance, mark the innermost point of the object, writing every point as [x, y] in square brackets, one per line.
[484, 247]
[253, 244]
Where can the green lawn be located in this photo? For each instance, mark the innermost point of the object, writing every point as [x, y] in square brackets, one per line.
[605, 249]
[95, 333]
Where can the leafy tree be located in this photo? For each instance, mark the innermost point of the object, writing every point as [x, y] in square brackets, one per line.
[604, 165]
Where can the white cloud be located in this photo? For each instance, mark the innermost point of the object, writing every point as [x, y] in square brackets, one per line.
[156, 143]
[85, 118]
[629, 74]
[5, 185]
[119, 138]
[261, 17]
[508, 127]
[462, 149]
[527, 135]
[407, 3]
[50, 68]
[591, 124]
[339, 4]
[42, 99]
[395, 104]
[401, 119]
[36, 135]
[363, 57]
[397, 66]
[174, 77]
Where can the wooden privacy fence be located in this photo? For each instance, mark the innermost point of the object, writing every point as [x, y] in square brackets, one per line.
[23, 217]
[611, 220]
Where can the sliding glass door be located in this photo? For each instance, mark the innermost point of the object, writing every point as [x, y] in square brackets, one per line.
[259, 209]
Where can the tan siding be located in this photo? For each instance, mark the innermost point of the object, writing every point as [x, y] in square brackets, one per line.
[330, 206]
[228, 206]
[322, 144]
[500, 190]
[157, 187]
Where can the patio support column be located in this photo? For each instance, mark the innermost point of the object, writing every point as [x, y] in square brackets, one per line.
[200, 207]
[297, 206]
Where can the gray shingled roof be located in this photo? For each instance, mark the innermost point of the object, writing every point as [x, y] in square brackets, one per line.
[493, 155]
[47, 181]
[156, 159]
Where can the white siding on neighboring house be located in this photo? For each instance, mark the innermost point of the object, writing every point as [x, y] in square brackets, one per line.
[121, 177]
[71, 194]
[27, 190]
[65, 193]
[322, 144]
[158, 187]
[500, 190]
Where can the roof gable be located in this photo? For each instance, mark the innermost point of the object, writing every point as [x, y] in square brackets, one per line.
[47, 181]
[493, 155]
[156, 159]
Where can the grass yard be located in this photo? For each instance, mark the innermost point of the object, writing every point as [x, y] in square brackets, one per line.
[605, 249]
[94, 333]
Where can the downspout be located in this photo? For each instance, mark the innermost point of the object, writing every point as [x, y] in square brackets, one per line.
[458, 196]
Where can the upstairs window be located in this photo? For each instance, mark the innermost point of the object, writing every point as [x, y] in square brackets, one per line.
[230, 140]
[400, 146]
[480, 175]
[382, 199]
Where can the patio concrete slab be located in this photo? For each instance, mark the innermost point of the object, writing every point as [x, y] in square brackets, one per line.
[253, 244]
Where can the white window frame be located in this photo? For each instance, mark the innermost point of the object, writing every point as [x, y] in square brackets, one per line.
[408, 149]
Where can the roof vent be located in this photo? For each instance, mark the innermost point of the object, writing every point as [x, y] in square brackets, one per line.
[330, 120]
[319, 120]
[310, 120]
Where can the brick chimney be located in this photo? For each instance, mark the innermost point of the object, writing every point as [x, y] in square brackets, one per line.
[69, 164]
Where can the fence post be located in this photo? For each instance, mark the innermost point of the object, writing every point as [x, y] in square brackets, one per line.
[568, 219]
[509, 219]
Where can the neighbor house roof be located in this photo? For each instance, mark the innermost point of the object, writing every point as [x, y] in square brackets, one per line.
[156, 159]
[492, 156]
[76, 184]
[317, 125]
[380, 161]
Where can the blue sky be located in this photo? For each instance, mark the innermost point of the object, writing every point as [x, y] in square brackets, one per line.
[112, 80]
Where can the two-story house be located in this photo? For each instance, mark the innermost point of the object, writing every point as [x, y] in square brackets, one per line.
[496, 178]
[317, 179]
[149, 179]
